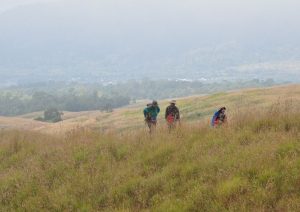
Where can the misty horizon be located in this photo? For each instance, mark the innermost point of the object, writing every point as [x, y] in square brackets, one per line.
[122, 40]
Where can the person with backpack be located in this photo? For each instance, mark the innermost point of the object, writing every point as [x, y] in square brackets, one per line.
[150, 113]
[172, 115]
[219, 117]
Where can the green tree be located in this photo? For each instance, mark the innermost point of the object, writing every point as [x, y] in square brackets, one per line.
[52, 115]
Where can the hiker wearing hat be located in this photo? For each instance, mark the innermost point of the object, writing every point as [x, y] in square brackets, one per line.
[172, 115]
[150, 113]
[219, 117]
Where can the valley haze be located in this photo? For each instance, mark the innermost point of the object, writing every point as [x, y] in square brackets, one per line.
[114, 40]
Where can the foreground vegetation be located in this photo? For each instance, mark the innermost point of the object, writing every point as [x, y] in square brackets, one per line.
[251, 164]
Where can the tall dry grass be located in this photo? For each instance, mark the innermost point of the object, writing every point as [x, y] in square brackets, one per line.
[252, 164]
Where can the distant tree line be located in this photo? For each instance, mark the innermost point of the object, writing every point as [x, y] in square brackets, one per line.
[16, 104]
[83, 97]
[162, 89]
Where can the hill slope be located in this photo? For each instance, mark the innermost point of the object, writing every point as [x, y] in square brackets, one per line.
[250, 164]
[253, 164]
[193, 109]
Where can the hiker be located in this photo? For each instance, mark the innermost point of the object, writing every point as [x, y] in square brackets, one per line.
[150, 113]
[172, 115]
[219, 117]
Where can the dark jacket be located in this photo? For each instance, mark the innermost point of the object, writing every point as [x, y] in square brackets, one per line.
[218, 116]
[151, 112]
[173, 111]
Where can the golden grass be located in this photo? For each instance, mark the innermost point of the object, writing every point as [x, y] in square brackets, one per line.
[252, 164]
[193, 110]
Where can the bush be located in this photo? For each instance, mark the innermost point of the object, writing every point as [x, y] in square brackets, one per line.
[51, 115]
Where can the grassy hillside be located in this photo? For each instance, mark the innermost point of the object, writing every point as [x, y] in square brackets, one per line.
[193, 109]
[252, 164]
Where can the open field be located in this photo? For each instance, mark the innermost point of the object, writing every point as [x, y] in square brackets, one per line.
[252, 164]
[193, 109]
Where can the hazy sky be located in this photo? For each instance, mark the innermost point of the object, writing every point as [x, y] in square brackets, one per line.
[219, 5]
[186, 19]
[9, 4]
[144, 33]
[140, 21]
